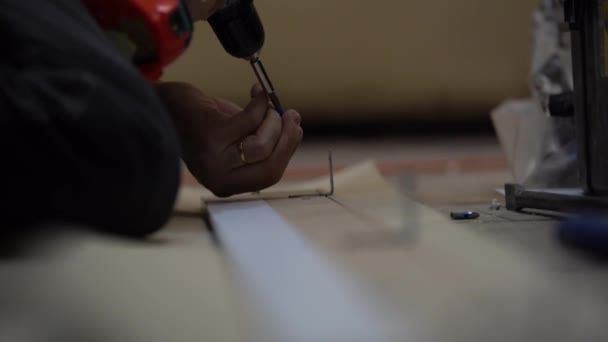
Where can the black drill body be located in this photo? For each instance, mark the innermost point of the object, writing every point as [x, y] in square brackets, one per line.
[240, 31]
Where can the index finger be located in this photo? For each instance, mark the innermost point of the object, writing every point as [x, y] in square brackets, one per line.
[227, 107]
[260, 146]
[246, 122]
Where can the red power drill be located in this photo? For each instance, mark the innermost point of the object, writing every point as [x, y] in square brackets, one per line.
[153, 33]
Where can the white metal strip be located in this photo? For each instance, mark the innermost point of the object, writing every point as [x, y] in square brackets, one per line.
[302, 297]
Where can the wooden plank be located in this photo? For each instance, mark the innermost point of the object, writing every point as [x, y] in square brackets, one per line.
[296, 293]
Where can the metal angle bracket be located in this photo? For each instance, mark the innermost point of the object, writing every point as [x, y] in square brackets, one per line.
[331, 181]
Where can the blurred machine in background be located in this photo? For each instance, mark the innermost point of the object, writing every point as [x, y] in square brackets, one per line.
[352, 60]
[588, 23]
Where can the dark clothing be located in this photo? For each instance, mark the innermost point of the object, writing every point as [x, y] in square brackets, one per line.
[83, 137]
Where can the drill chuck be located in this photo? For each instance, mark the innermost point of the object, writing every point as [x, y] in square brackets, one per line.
[239, 29]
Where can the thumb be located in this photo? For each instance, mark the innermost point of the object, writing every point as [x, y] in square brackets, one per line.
[256, 90]
[247, 122]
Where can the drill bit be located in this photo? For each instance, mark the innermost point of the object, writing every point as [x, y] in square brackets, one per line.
[262, 76]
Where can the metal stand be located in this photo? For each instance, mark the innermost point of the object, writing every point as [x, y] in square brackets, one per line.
[588, 22]
[558, 200]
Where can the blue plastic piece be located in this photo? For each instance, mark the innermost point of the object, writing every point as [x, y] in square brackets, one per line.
[586, 233]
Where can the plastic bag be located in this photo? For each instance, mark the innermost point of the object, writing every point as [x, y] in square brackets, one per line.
[542, 149]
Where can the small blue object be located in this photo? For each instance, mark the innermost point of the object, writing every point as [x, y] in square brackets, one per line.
[465, 215]
[586, 233]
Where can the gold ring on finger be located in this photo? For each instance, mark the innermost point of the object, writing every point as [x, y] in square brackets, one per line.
[242, 152]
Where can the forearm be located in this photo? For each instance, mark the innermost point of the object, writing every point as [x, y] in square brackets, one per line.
[83, 140]
[100, 167]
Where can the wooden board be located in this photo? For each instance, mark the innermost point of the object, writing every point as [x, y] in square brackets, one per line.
[443, 282]
[439, 281]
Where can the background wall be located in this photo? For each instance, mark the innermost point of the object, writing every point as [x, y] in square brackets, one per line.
[354, 59]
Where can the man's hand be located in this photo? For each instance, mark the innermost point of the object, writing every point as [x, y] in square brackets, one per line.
[203, 9]
[228, 149]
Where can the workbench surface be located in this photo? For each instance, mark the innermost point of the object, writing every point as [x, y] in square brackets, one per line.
[503, 277]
